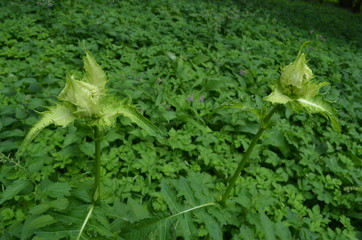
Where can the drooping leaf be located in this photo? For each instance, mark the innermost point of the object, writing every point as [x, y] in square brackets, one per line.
[60, 115]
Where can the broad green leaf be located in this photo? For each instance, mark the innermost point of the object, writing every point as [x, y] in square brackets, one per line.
[14, 188]
[60, 115]
[34, 224]
[94, 73]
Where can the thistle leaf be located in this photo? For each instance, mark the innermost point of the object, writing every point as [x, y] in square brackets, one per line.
[136, 117]
[60, 115]
[113, 108]
[94, 73]
[318, 105]
[277, 96]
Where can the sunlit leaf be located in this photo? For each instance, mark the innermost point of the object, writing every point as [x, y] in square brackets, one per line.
[317, 105]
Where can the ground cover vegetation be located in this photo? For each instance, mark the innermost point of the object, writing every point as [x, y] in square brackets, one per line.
[185, 65]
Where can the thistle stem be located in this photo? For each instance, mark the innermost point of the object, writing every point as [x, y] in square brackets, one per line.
[97, 165]
[246, 156]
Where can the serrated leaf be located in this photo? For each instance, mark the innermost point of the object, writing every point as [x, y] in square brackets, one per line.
[59, 114]
[14, 188]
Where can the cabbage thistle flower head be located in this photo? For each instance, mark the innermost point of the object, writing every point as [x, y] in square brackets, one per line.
[86, 99]
[297, 88]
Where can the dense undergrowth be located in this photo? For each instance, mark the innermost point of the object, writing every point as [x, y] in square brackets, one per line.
[179, 61]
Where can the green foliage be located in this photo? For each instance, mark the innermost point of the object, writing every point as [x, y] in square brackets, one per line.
[179, 60]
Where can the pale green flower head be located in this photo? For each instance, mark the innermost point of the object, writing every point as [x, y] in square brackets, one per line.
[295, 76]
[297, 89]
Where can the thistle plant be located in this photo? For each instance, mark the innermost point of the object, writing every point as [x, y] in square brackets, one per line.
[87, 100]
[295, 89]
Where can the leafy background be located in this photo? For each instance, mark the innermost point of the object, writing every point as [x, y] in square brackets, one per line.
[178, 61]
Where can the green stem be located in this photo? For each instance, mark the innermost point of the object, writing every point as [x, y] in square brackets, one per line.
[97, 165]
[246, 156]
